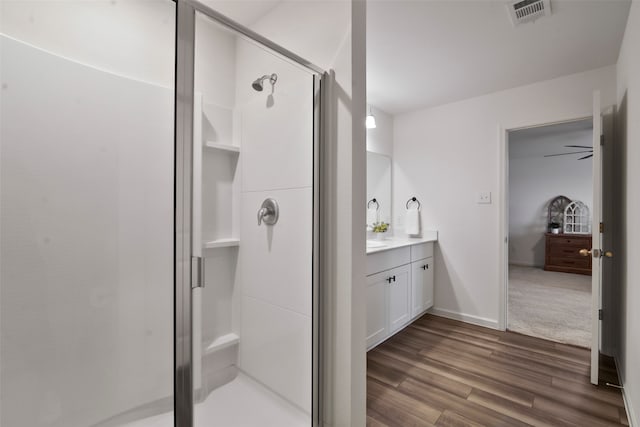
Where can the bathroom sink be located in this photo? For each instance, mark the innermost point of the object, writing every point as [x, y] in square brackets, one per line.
[375, 244]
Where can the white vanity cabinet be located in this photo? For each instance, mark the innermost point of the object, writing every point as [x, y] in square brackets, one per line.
[388, 303]
[421, 286]
[377, 310]
[399, 285]
[421, 278]
[399, 289]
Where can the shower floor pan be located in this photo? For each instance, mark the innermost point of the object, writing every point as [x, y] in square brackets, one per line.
[241, 403]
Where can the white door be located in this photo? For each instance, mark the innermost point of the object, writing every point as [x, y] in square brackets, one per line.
[422, 286]
[399, 297]
[596, 250]
[377, 323]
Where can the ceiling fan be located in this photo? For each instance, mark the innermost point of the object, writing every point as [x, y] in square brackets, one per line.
[590, 151]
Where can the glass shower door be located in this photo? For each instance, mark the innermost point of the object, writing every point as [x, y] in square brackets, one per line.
[253, 211]
[86, 212]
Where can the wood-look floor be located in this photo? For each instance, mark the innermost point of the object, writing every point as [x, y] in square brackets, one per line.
[439, 372]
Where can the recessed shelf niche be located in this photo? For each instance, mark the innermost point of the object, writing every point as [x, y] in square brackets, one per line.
[219, 170]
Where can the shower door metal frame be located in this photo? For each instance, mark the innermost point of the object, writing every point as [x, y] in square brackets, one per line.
[183, 222]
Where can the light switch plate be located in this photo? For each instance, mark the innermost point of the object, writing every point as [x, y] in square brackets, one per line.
[483, 198]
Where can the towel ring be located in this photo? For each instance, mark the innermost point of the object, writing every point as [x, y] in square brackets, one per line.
[413, 200]
[373, 201]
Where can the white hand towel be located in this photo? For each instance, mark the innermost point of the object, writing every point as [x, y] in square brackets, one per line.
[372, 216]
[412, 222]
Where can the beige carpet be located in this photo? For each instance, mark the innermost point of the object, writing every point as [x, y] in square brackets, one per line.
[554, 306]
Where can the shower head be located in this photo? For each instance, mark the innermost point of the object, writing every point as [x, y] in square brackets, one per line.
[258, 84]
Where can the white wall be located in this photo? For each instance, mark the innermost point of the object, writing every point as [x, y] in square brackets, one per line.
[627, 154]
[445, 155]
[534, 180]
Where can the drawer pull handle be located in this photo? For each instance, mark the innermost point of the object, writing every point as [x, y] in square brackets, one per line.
[425, 267]
[391, 279]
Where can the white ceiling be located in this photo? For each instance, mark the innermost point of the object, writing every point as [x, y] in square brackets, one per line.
[423, 53]
[545, 140]
[245, 12]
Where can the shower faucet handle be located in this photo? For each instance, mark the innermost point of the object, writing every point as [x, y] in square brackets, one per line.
[268, 212]
[261, 214]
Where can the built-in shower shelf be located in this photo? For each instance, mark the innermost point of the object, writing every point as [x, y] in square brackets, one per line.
[221, 243]
[223, 342]
[223, 147]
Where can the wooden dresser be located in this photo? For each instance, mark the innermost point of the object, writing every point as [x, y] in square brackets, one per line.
[561, 253]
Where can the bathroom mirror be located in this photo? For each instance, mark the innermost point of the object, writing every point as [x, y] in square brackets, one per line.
[379, 184]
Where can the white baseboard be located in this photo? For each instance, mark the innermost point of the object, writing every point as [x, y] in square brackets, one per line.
[467, 318]
[628, 407]
[631, 415]
[524, 264]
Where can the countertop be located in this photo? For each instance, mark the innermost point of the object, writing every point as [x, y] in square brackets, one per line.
[399, 242]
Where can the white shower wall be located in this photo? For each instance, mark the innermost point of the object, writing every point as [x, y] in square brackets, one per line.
[216, 204]
[108, 356]
[87, 241]
[262, 290]
[276, 273]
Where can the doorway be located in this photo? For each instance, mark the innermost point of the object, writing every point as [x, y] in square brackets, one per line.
[550, 187]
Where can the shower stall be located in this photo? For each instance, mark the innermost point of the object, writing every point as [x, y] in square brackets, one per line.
[159, 219]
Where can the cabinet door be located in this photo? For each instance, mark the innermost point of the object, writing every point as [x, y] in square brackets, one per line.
[399, 284]
[422, 286]
[377, 323]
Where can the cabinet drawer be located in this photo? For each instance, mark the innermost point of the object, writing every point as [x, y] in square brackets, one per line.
[381, 261]
[570, 262]
[583, 241]
[421, 251]
[565, 251]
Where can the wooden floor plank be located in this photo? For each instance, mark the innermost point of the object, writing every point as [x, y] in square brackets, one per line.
[570, 414]
[498, 388]
[387, 374]
[400, 406]
[484, 366]
[603, 394]
[373, 422]
[450, 374]
[425, 376]
[451, 419]
[623, 417]
[441, 400]
[529, 416]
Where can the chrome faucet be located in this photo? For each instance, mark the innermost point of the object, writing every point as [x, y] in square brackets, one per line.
[268, 212]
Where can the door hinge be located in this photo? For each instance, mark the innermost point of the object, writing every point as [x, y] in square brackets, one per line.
[197, 272]
[602, 227]
[600, 314]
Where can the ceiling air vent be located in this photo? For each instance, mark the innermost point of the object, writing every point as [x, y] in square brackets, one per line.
[528, 10]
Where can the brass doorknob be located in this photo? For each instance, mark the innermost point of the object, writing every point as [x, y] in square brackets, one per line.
[584, 252]
[608, 254]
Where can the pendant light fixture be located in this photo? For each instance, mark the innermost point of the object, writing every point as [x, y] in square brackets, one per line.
[370, 122]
